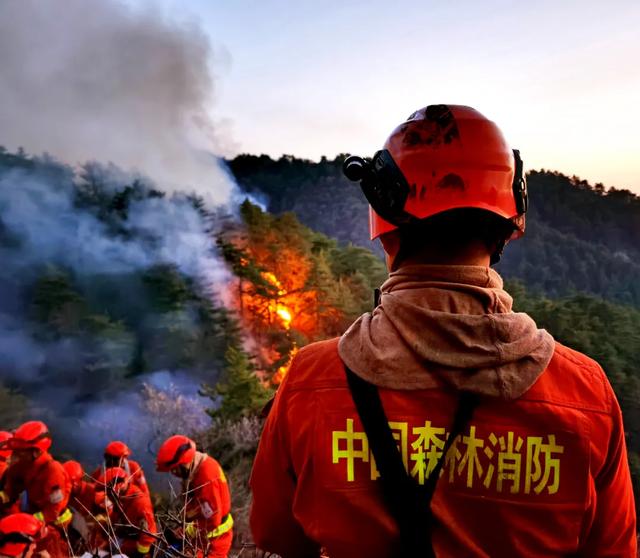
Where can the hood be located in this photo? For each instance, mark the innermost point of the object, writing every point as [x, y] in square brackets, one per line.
[440, 326]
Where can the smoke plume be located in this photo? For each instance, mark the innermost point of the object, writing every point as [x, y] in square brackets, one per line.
[98, 80]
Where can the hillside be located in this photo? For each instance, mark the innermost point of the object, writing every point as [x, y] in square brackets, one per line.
[580, 238]
[127, 312]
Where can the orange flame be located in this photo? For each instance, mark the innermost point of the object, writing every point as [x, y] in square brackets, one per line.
[277, 307]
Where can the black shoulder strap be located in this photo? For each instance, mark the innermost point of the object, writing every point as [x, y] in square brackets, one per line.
[408, 502]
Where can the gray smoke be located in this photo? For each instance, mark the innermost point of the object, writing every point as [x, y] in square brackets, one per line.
[42, 228]
[95, 79]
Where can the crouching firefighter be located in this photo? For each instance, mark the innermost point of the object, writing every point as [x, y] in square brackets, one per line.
[45, 482]
[118, 454]
[127, 512]
[442, 423]
[206, 492]
[20, 534]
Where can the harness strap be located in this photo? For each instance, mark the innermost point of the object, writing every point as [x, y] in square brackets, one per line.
[408, 502]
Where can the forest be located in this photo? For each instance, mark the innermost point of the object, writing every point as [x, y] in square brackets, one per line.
[127, 310]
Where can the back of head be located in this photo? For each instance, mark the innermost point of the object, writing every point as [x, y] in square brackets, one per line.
[445, 177]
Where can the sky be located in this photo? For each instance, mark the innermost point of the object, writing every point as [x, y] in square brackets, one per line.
[313, 78]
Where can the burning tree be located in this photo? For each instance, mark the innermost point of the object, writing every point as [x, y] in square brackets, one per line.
[293, 285]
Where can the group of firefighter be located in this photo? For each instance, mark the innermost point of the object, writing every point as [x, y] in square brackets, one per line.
[50, 509]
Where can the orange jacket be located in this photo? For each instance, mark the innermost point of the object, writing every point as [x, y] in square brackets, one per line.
[542, 475]
[209, 504]
[83, 497]
[47, 485]
[134, 521]
[134, 470]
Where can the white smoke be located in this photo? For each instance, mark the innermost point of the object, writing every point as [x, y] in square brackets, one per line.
[99, 80]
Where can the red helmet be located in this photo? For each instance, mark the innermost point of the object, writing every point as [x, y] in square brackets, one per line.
[117, 449]
[115, 478]
[445, 157]
[32, 434]
[18, 531]
[176, 450]
[5, 451]
[74, 470]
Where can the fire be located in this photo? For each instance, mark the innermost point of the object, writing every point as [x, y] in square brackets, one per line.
[285, 316]
[277, 307]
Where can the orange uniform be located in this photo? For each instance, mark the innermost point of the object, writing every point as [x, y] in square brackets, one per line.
[209, 506]
[133, 469]
[83, 497]
[542, 475]
[134, 521]
[48, 489]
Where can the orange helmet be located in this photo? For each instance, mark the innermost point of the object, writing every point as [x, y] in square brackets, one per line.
[33, 434]
[117, 449]
[114, 478]
[74, 470]
[5, 451]
[442, 157]
[18, 531]
[176, 450]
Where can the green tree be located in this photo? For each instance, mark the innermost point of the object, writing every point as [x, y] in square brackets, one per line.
[239, 392]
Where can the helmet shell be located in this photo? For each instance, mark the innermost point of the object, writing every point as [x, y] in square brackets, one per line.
[17, 531]
[31, 435]
[74, 470]
[117, 449]
[452, 157]
[176, 450]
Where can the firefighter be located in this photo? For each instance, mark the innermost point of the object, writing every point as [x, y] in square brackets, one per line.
[83, 493]
[5, 454]
[442, 422]
[47, 486]
[82, 503]
[5, 459]
[19, 535]
[129, 511]
[209, 530]
[117, 454]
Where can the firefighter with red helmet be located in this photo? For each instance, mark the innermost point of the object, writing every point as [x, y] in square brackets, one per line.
[47, 486]
[442, 423]
[117, 454]
[82, 503]
[209, 529]
[5, 459]
[5, 454]
[83, 493]
[130, 513]
[20, 534]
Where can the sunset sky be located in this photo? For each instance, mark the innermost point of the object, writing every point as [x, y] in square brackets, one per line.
[314, 78]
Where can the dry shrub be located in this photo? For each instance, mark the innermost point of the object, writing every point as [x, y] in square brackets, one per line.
[234, 443]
